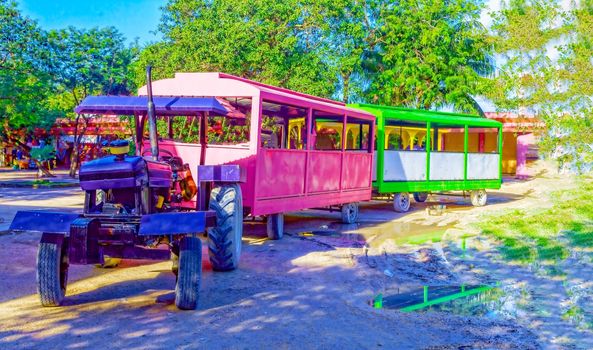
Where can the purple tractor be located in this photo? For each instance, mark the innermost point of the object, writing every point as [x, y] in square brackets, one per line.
[133, 205]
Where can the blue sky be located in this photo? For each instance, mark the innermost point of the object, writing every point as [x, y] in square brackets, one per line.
[134, 18]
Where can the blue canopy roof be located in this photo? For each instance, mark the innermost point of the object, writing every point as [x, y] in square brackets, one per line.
[129, 105]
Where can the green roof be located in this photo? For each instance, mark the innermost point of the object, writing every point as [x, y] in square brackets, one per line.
[400, 113]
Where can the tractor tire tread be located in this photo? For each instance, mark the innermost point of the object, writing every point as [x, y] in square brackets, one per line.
[49, 260]
[190, 271]
[226, 202]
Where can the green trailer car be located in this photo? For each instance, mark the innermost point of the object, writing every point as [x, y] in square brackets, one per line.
[422, 152]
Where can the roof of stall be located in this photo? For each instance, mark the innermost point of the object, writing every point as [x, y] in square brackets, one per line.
[129, 105]
[420, 115]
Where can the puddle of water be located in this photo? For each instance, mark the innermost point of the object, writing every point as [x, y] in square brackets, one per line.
[440, 298]
[400, 233]
[493, 301]
[405, 233]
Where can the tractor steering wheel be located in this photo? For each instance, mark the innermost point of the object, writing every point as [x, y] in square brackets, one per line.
[167, 153]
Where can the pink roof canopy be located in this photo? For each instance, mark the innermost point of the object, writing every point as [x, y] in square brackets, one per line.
[221, 84]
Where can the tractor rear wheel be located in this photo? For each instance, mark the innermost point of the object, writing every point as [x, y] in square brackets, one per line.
[401, 202]
[349, 213]
[52, 272]
[224, 240]
[275, 226]
[187, 287]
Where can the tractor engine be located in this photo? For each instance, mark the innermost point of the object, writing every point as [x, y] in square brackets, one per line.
[120, 184]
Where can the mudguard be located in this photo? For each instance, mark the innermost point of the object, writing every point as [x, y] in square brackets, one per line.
[43, 221]
[174, 223]
[84, 248]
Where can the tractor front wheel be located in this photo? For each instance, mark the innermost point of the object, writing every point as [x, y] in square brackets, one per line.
[52, 272]
[224, 240]
[189, 276]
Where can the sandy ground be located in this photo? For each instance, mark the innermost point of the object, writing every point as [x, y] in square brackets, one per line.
[309, 290]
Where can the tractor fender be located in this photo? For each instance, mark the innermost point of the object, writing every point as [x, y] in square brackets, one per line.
[43, 221]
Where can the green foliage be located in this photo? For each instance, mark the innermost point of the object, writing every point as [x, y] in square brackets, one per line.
[83, 62]
[422, 54]
[556, 87]
[24, 80]
[433, 53]
[269, 41]
[44, 75]
[44, 153]
[547, 234]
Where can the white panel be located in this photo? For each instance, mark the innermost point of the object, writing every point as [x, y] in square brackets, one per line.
[446, 166]
[482, 166]
[404, 166]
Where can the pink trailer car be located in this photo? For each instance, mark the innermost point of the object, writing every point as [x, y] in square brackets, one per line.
[285, 142]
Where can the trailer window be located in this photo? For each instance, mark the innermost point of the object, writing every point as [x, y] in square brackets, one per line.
[231, 129]
[283, 126]
[446, 138]
[393, 138]
[234, 128]
[176, 128]
[327, 131]
[482, 140]
[358, 134]
[405, 135]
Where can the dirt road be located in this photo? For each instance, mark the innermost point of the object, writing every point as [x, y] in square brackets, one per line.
[309, 290]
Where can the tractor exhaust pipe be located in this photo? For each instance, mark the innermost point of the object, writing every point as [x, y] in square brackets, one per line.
[154, 144]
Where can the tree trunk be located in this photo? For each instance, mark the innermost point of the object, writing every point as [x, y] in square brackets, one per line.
[73, 161]
[75, 156]
[346, 88]
[44, 170]
[27, 151]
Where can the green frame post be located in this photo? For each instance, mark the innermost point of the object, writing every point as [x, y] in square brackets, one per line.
[427, 146]
[500, 138]
[380, 150]
[465, 152]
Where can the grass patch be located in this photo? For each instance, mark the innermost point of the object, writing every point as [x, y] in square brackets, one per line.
[37, 184]
[545, 234]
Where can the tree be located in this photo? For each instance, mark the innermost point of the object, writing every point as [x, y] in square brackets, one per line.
[350, 37]
[432, 54]
[24, 78]
[274, 42]
[569, 116]
[85, 62]
[546, 70]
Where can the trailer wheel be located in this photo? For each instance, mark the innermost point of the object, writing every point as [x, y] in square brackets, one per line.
[420, 197]
[224, 240]
[275, 226]
[478, 198]
[187, 287]
[52, 273]
[401, 202]
[350, 213]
